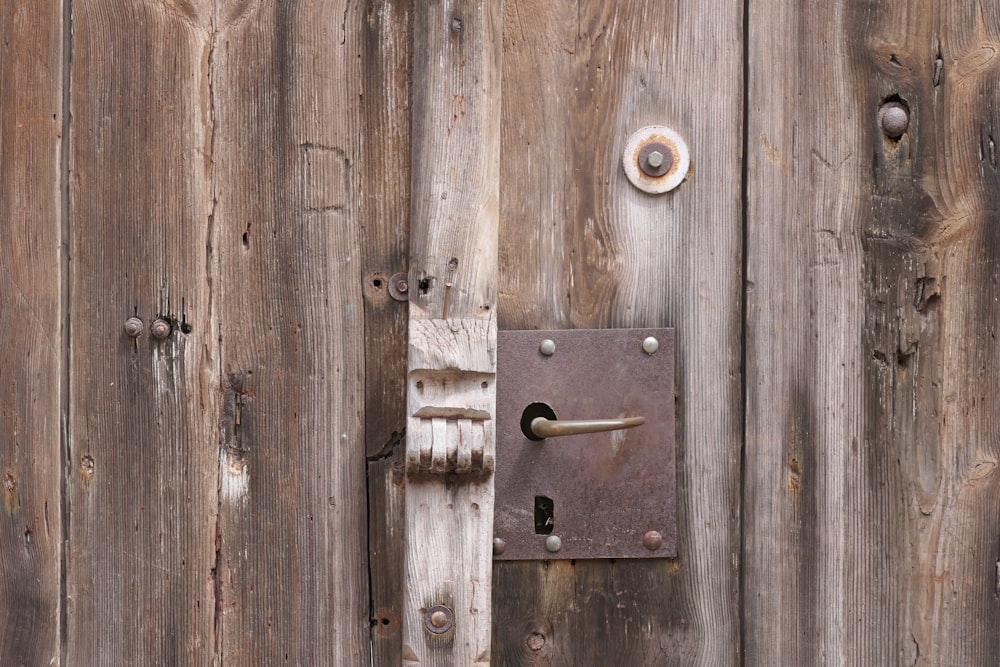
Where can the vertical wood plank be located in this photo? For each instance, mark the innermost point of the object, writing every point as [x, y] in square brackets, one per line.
[286, 89]
[580, 247]
[31, 331]
[452, 331]
[144, 413]
[384, 215]
[871, 457]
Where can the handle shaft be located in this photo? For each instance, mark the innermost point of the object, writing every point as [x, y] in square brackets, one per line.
[551, 428]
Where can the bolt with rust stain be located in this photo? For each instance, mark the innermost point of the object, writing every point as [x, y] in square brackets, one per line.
[499, 546]
[894, 118]
[652, 540]
[160, 329]
[439, 619]
[133, 327]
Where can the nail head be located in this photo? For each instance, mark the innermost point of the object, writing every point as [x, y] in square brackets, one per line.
[650, 345]
[894, 118]
[652, 540]
[160, 329]
[553, 543]
[548, 347]
[133, 327]
[499, 546]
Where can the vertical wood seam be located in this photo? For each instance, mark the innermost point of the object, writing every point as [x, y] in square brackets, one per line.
[62, 633]
[744, 261]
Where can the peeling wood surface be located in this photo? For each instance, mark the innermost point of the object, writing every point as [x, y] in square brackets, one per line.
[31, 331]
[452, 330]
[580, 247]
[871, 455]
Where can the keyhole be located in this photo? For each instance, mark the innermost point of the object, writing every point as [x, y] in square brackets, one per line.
[544, 515]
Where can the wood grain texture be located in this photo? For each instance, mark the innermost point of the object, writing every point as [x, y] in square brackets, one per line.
[871, 457]
[144, 414]
[384, 211]
[580, 247]
[31, 331]
[453, 265]
[286, 93]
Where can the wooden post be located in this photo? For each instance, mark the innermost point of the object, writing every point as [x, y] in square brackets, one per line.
[452, 350]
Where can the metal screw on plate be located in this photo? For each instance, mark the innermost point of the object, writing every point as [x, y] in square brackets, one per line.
[548, 347]
[650, 345]
[133, 327]
[160, 329]
[499, 546]
[553, 543]
[652, 540]
[399, 287]
[439, 619]
[894, 118]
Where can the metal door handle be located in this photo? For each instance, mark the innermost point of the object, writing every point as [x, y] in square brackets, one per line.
[550, 428]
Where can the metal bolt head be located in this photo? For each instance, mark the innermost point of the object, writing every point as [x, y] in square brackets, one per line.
[553, 543]
[399, 287]
[894, 118]
[439, 619]
[499, 546]
[654, 159]
[548, 347]
[133, 327]
[650, 345]
[160, 329]
[652, 540]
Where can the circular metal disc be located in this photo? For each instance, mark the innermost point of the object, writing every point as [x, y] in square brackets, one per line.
[680, 160]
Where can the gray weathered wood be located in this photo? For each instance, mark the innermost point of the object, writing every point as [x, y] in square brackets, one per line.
[286, 90]
[871, 455]
[31, 331]
[144, 414]
[580, 247]
[452, 341]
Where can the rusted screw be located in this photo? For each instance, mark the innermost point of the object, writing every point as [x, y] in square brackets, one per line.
[652, 540]
[439, 619]
[133, 327]
[398, 286]
[499, 546]
[160, 329]
[894, 118]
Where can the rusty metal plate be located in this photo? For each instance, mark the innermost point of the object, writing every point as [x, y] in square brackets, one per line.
[596, 495]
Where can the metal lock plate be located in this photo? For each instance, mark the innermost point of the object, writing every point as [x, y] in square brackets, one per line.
[596, 495]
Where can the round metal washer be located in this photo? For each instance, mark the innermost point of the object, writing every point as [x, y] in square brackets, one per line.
[679, 159]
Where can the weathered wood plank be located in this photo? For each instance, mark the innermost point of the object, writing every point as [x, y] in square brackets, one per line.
[144, 413]
[286, 89]
[580, 247]
[31, 332]
[871, 457]
[452, 342]
[384, 212]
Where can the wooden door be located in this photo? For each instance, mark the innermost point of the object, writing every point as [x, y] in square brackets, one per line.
[227, 487]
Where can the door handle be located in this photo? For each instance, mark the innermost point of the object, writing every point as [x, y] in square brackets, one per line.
[551, 428]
